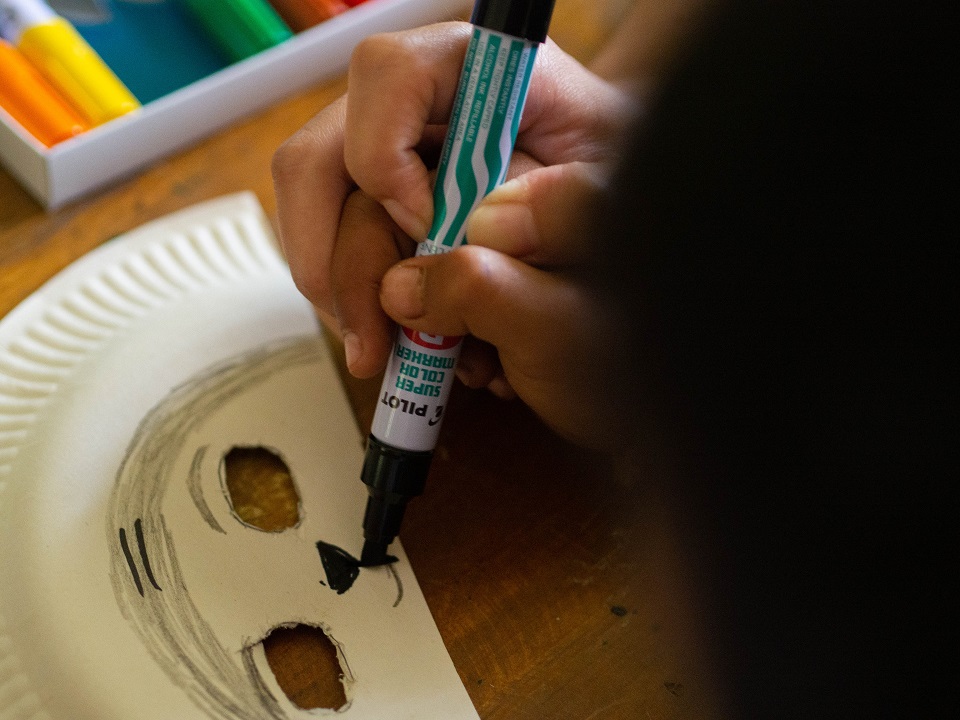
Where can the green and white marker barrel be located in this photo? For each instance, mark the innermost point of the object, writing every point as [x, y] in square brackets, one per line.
[476, 154]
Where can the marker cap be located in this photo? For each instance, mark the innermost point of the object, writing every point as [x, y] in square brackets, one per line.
[18, 16]
[393, 477]
[528, 19]
[394, 472]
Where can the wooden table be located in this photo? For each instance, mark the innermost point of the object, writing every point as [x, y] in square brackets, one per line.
[548, 578]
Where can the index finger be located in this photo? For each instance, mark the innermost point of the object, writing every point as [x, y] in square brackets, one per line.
[312, 184]
[400, 84]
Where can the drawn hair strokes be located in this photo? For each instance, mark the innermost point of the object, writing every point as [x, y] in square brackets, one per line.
[201, 588]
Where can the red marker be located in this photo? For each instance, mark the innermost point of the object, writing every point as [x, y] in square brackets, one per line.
[303, 14]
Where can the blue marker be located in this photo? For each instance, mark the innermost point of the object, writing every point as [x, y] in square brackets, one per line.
[476, 153]
[154, 47]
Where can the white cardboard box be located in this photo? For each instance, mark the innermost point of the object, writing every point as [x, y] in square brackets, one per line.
[128, 144]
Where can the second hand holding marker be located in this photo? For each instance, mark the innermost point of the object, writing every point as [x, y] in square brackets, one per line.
[476, 153]
[61, 55]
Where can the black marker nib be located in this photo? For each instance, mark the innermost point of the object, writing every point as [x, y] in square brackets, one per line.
[375, 554]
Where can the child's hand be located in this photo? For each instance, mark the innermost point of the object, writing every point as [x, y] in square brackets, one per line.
[536, 327]
[354, 186]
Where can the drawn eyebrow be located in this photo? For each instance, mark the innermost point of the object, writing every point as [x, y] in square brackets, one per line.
[195, 486]
[144, 558]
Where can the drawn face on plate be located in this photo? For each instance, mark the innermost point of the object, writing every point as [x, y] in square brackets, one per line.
[202, 587]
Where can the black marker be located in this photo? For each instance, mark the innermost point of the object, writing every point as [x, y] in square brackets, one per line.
[476, 153]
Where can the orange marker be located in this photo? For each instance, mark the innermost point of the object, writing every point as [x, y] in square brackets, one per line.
[33, 102]
[65, 59]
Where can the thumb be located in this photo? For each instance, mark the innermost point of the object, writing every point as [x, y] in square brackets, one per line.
[534, 217]
[517, 308]
[548, 331]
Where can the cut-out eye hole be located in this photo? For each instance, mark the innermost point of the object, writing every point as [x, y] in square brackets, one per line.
[260, 489]
[304, 661]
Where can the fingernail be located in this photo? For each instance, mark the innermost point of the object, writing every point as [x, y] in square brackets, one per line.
[466, 372]
[402, 290]
[507, 209]
[352, 348]
[505, 220]
[512, 191]
[409, 222]
[500, 387]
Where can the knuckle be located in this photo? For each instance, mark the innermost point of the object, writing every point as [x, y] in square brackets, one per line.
[314, 146]
[363, 223]
[313, 285]
[377, 54]
[592, 178]
[473, 275]
[291, 159]
[353, 207]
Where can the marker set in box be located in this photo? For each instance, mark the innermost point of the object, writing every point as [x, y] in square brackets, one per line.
[184, 83]
[69, 65]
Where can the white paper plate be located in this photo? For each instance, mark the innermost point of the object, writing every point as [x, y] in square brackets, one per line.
[128, 588]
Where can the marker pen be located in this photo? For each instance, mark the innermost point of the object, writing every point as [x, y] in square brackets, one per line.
[419, 375]
[301, 15]
[240, 28]
[65, 59]
[154, 47]
[32, 102]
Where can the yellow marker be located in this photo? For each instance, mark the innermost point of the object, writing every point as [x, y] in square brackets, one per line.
[65, 59]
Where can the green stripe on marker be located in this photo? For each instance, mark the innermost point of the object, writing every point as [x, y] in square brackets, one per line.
[496, 74]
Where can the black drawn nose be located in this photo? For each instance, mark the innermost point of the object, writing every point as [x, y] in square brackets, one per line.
[341, 567]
